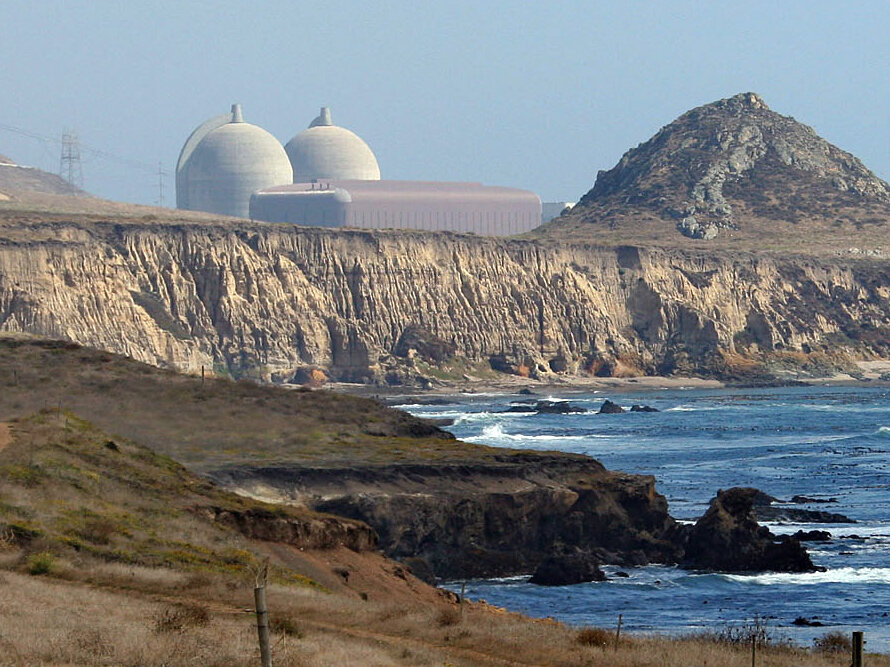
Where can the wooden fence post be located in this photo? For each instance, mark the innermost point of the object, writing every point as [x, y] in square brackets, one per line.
[857, 648]
[618, 631]
[753, 650]
[463, 590]
[262, 615]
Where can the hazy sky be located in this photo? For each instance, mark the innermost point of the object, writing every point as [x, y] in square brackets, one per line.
[538, 95]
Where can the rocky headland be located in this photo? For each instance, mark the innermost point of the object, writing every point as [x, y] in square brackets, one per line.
[487, 518]
[449, 509]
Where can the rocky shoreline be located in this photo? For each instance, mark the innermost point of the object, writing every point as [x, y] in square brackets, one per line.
[401, 395]
[525, 513]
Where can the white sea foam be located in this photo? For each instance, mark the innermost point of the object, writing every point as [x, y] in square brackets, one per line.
[495, 434]
[439, 414]
[694, 408]
[841, 575]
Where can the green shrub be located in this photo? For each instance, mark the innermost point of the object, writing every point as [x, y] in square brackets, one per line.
[42, 562]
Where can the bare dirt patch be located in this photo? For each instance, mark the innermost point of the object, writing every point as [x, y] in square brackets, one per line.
[5, 435]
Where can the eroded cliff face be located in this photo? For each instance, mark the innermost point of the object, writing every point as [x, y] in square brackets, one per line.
[483, 519]
[269, 301]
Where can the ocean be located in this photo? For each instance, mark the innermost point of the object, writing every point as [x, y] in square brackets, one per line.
[820, 442]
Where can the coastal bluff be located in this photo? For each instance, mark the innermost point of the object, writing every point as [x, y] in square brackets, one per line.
[281, 303]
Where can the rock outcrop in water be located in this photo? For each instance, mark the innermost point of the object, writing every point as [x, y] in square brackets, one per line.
[564, 567]
[485, 519]
[729, 539]
[557, 516]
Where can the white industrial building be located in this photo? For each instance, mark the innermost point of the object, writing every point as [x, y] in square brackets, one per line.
[328, 176]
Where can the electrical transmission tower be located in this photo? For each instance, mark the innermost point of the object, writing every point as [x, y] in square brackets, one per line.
[70, 167]
[160, 184]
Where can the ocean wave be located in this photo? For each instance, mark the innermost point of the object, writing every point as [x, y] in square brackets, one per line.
[473, 417]
[841, 575]
[439, 414]
[883, 431]
[496, 431]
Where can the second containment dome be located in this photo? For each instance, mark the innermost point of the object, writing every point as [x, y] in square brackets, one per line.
[326, 151]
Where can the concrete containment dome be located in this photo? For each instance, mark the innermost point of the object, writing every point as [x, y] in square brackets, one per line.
[326, 151]
[223, 163]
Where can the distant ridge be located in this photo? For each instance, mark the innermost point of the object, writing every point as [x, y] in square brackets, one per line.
[14, 177]
[732, 164]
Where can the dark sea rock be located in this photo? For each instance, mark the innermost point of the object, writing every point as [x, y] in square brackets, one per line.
[557, 408]
[526, 392]
[566, 567]
[546, 408]
[802, 500]
[792, 515]
[812, 536]
[807, 623]
[610, 408]
[521, 408]
[767, 509]
[729, 539]
[643, 408]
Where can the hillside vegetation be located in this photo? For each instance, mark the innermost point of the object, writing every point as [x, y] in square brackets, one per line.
[209, 422]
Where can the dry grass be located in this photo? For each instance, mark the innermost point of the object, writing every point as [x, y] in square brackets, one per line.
[73, 505]
[47, 621]
[217, 422]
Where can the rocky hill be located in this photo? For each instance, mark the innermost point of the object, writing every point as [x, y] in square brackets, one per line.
[735, 165]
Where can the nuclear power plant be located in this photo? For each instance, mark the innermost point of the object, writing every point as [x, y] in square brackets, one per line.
[327, 176]
[224, 161]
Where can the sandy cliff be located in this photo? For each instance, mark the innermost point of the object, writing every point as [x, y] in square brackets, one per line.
[269, 300]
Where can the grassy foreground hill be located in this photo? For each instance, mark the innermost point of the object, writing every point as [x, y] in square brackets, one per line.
[113, 553]
[206, 424]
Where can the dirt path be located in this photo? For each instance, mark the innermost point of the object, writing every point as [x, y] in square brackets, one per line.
[5, 435]
[473, 656]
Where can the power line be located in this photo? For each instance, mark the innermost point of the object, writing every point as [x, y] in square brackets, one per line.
[70, 161]
[95, 152]
[160, 184]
